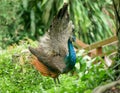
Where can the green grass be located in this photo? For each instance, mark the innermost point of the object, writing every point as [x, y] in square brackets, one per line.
[17, 75]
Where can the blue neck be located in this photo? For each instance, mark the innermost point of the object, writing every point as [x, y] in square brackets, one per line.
[72, 54]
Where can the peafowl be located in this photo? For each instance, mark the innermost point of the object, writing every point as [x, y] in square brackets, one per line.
[55, 54]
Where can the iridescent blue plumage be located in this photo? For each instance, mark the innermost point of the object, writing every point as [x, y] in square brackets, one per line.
[70, 59]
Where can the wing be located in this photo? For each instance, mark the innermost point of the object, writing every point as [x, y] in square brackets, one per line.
[54, 62]
[43, 69]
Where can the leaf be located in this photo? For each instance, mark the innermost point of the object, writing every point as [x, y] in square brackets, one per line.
[25, 4]
[32, 17]
[108, 61]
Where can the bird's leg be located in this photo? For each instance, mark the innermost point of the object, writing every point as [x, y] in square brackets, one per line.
[58, 80]
[55, 80]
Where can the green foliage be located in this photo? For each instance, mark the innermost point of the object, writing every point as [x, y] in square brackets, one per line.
[91, 19]
[93, 73]
[38, 14]
[10, 30]
[31, 18]
[18, 75]
[20, 19]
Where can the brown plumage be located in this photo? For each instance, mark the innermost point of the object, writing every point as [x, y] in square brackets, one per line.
[43, 69]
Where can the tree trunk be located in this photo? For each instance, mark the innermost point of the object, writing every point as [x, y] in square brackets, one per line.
[116, 4]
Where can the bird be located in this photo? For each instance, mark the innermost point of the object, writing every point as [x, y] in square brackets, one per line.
[55, 53]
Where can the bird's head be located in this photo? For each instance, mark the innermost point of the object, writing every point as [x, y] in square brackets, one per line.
[72, 38]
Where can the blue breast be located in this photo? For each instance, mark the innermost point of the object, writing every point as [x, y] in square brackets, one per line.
[70, 59]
